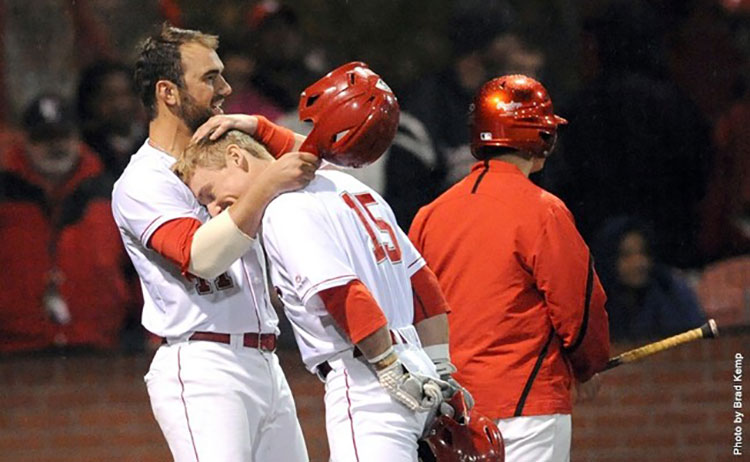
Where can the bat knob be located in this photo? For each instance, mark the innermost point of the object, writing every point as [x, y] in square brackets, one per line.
[709, 329]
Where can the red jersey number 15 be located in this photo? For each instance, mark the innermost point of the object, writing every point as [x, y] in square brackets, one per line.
[359, 204]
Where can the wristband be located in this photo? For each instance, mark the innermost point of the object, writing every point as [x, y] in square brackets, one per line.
[439, 352]
[384, 359]
[277, 139]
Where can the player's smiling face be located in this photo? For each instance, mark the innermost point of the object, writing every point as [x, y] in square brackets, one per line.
[205, 87]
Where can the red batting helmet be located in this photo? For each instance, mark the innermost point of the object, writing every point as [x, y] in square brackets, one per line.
[513, 111]
[465, 437]
[354, 115]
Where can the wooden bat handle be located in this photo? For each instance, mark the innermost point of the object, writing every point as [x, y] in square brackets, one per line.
[707, 330]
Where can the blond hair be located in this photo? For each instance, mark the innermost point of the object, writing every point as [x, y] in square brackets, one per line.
[211, 154]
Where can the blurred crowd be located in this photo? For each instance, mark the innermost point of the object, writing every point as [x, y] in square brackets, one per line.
[653, 164]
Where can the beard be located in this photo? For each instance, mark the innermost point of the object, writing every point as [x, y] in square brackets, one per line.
[191, 113]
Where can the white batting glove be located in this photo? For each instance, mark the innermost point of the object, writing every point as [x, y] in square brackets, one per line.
[440, 356]
[416, 392]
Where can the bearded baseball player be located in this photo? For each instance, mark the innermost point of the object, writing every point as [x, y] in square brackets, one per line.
[368, 315]
[215, 385]
[528, 314]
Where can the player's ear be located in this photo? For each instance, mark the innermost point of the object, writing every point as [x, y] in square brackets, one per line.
[236, 157]
[167, 92]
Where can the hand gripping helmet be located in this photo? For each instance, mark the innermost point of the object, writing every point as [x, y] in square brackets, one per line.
[464, 437]
[354, 115]
[513, 111]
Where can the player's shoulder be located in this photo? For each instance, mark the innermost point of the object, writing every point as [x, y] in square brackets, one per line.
[149, 169]
[298, 201]
[333, 178]
[321, 195]
[550, 201]
[553, 209]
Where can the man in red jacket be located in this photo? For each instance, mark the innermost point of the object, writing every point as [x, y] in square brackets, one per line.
[64, 269]
[528, 315]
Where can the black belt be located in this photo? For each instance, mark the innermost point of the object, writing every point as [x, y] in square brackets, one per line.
[324, 369]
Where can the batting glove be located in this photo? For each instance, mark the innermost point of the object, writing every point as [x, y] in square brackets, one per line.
[440, 356]
[416, 392]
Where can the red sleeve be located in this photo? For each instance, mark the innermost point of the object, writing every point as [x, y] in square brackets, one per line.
[277, 139]
[354, 310]
[429, 300]
[564, 272]
[173, 240]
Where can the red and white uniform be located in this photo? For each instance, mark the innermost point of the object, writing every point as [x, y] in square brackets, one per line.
[335, 231]
[212, 400]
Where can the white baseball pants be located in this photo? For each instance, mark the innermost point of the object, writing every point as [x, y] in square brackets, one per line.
[228, 403]
[363, 422]
[539, 438]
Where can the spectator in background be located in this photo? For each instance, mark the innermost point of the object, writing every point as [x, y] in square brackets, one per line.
[725, 211]
[645, 299]
[287, 63]
[112, 120]
[239, 68]
[59, 247]
[635, 144]
[483, 46]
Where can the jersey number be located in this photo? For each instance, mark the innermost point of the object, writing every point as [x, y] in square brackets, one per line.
[223, 281]
[359, 203]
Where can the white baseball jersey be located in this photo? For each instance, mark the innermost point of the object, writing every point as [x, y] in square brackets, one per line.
[149, 194]
[338, 214]
[213, 401]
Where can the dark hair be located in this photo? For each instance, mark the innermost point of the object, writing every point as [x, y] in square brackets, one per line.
[90, 84]
[160, 59]
[605, 244]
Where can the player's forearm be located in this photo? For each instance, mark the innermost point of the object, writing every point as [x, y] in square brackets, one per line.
[376, 343]
[215, 246]
[433, 331]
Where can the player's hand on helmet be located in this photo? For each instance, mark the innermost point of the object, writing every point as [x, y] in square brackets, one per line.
[452, 386]
[222, 123]
[415, 391]
[290, 172]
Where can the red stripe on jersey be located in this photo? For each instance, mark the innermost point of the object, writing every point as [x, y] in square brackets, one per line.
[354, 309]
[173, 240]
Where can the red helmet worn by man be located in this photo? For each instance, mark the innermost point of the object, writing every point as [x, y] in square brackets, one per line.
[354, 115]
[513, 111]
[463, 437]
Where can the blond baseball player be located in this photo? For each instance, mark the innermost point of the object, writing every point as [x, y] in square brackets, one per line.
[357, 293]
[215, 385]
[344, 271]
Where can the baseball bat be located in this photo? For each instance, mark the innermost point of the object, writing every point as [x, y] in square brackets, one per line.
[707, 330]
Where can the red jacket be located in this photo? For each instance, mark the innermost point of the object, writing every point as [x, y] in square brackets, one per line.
[527, 307]
[69, 227]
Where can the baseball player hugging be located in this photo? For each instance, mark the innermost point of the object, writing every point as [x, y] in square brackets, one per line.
[215, 384]
[368, 315]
